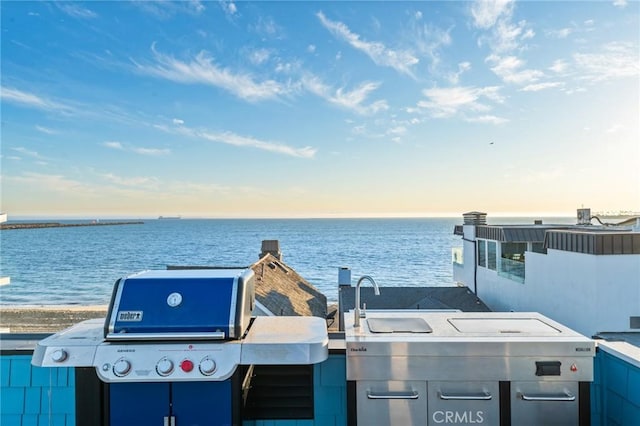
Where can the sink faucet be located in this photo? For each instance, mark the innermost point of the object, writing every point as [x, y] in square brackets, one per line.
[356, 312]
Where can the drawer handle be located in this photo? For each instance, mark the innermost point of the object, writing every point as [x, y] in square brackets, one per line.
[393, 395]
[484, 396]
[564, 397]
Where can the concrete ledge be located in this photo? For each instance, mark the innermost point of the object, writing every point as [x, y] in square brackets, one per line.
[623, 350]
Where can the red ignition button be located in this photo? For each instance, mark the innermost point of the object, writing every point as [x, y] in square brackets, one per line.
[574, 368]
[186, 365]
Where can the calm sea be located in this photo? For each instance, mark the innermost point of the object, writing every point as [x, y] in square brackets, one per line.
[78, 265]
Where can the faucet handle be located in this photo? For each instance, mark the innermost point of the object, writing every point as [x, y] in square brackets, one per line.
[363, 311]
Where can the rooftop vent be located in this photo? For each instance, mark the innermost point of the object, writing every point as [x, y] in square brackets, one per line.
[475, 218]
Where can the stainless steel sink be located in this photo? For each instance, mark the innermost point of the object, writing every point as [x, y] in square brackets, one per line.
[398, 325]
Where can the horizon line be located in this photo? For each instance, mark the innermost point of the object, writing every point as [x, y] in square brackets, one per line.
[290, 216]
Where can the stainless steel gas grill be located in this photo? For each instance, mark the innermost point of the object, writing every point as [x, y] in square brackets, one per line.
[421, 368]
[173, 343]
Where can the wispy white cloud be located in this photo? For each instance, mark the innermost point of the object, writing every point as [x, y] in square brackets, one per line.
[26, 152]
[398, 130]
[505, 38]
[400, 60]
[202, 70]
[266, 26]
[561, 33]
[541, 86]
[463, 67]
[164, 10]
[229, 8]
[620, 3]
[54, 182]
[448, 102]
[429, 41]
[559, 66]
[510, 70]
[352, 100]
[486, 13]
[151, 151]
[615, 60]
[138, 150]
[615, 128]
[113, 145]
[75, 10]
[31, 100]
[177, 121]
[196, 6]
[46, 130]
[231, 138]
[396, 133]
[150, 183]
[259, 56]
[311, 48]
[487, 119]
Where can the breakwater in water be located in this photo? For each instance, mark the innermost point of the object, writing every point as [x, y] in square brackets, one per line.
[37, 225]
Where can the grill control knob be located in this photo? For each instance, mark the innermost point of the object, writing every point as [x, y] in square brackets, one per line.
[186, 365]
[121, 367]
[207, 366]
[59, 355]
[164, 367]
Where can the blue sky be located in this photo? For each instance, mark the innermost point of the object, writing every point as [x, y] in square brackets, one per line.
[319, 109]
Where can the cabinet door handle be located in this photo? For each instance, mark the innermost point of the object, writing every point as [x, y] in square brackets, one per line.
[393, 395]
[563, 397]
[484, 396]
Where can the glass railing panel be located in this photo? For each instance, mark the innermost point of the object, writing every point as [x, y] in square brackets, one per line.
[512, 269]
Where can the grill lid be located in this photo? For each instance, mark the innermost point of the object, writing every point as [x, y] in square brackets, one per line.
[181, 304]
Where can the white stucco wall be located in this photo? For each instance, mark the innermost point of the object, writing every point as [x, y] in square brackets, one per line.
[588, 293]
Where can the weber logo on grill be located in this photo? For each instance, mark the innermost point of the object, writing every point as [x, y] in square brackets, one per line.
[131, 316]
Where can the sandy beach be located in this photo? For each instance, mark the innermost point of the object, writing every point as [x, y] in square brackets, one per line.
[46, 318]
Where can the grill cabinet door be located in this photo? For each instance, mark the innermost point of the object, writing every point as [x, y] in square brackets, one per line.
[391, 403]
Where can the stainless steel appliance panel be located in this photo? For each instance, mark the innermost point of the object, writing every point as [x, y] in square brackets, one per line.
[391, 403]
[544, 403]
[464, 403]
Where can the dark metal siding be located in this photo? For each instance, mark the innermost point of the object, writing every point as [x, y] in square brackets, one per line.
[598, 243]
[512, 234]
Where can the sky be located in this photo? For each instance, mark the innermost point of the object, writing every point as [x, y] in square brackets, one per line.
[319, 109]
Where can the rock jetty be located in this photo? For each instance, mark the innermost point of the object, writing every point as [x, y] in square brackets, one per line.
[36, 225]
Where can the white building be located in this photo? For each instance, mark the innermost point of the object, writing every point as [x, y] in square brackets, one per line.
[4, 280]
[586, 277]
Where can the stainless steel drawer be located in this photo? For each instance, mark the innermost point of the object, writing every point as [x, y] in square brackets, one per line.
[544, 403]
[464, 403]
[392, 403]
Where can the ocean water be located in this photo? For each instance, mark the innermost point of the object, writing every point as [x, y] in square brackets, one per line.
[79, 265]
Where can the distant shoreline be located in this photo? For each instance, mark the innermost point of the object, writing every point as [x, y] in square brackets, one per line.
[38, 225]
[46, 318]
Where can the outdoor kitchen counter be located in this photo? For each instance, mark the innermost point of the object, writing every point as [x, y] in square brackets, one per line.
[285, 340]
